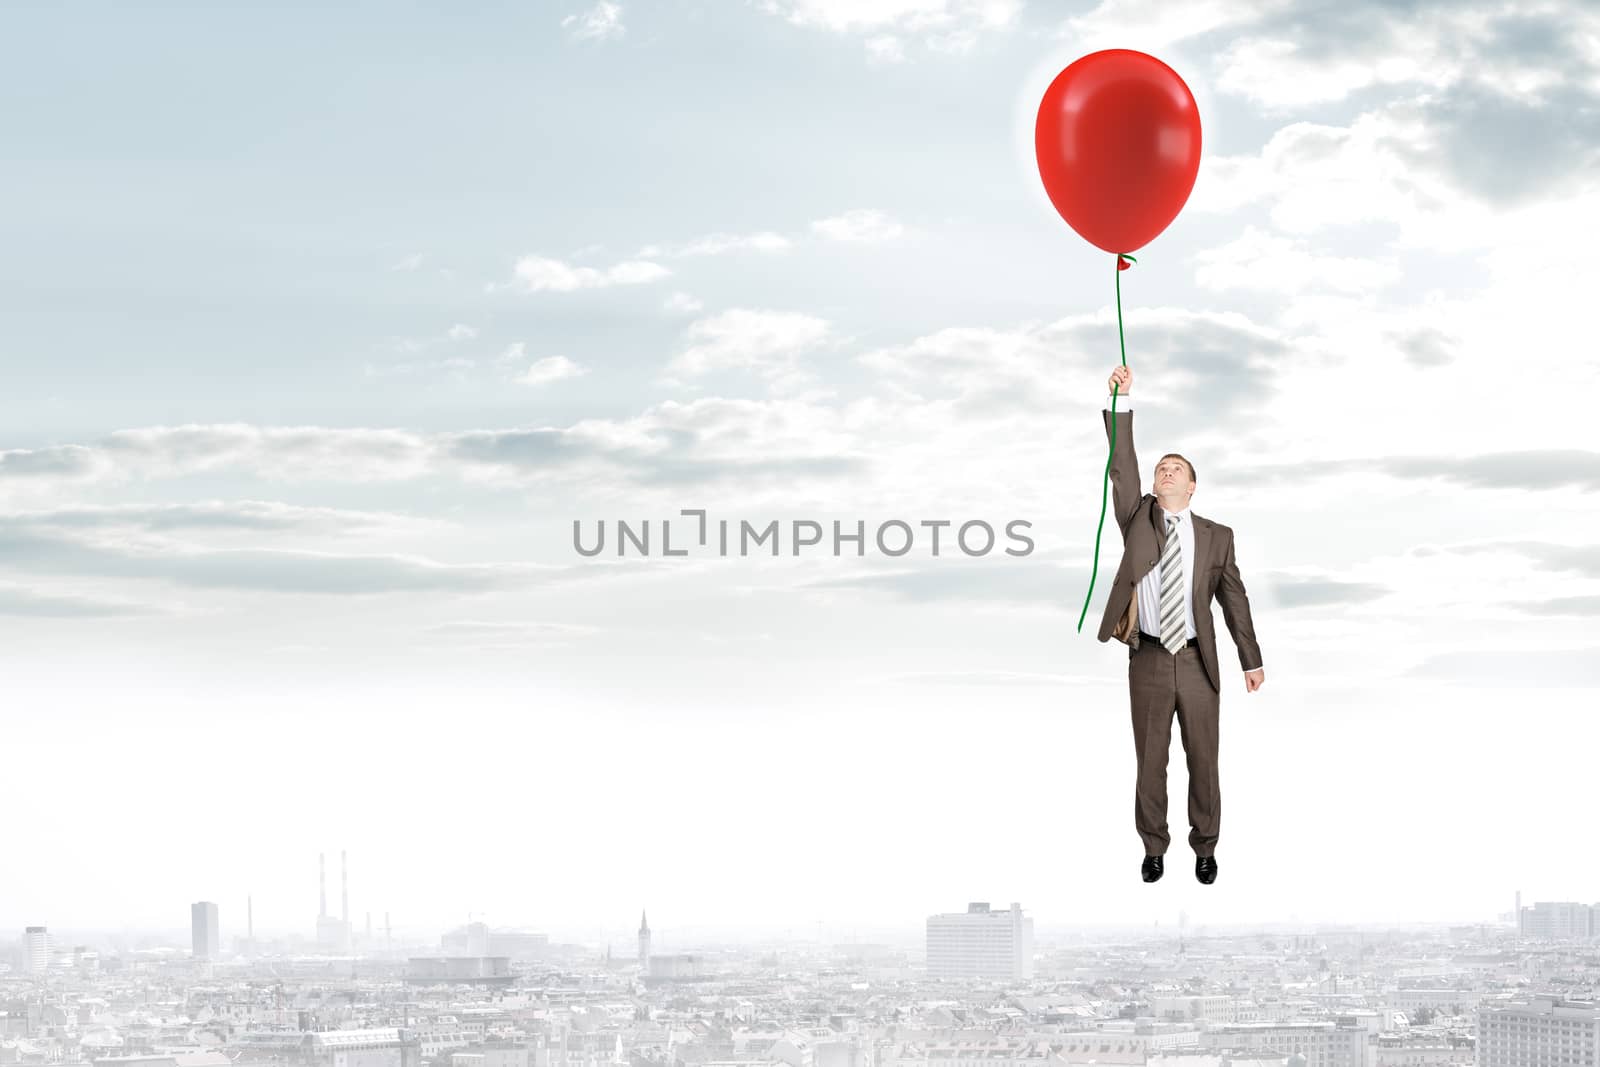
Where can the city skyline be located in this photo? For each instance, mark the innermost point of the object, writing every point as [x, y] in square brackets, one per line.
[1462, 997]
[1563, 919]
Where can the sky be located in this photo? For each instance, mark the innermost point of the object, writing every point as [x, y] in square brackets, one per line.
[321, 326]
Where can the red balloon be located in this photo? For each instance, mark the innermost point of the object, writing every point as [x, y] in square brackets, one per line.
[1118, 142]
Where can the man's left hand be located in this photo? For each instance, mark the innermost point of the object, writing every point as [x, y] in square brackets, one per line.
[1253, 679]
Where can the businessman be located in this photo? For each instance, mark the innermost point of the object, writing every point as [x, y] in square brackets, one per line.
[1173, 563]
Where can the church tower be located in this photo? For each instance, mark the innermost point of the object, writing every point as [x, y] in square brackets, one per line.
[644, 943]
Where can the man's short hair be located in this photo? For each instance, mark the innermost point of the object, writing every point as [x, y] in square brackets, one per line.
[1186, 463]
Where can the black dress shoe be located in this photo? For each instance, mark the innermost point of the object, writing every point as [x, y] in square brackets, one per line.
[1205, 869]
[1151, 870]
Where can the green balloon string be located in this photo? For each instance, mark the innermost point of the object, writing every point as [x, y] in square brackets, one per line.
[1107, 478]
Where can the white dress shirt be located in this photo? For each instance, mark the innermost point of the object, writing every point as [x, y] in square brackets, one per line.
[1150, 585]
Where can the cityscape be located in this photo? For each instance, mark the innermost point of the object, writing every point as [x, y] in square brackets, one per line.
[576, 534]
[978, 987]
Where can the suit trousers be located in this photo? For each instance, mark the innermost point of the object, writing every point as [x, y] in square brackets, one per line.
[1159, 684]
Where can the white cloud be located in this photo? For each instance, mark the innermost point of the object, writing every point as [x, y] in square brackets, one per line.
[886, 47]
[253, 566]
[860, 226]
[718, 243]
[538, 274]
[60, 535]
[1284, 56]
[29, 602]
[950, 27]
[459, 332]
[1152, 24]
[411, 262]
[863, 225]
[289, 452]
[954, 43]
[682, 304]
[513, 352]
[911, 431]
[1311, 177]
[767, 342]
[1494, 121]
[1418, 47]
[550, 369]
[1265, 261]
[858, 16]
[1271, 73]
[603, 22]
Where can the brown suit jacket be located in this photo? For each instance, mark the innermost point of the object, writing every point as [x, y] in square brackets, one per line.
[1215, 572]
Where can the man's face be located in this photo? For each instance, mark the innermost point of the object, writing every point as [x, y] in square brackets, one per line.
[1172, 476]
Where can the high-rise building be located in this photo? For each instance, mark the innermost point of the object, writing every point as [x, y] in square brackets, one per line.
[1538, 1031]
[36, 944]
[1557, 920]
[979, 943]
[203, 926]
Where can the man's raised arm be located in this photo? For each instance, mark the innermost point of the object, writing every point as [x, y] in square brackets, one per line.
[1125, 491]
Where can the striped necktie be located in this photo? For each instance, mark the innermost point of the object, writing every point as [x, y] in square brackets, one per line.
[1172, 613]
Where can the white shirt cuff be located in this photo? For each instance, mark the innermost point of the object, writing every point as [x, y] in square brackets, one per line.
[1124, 402]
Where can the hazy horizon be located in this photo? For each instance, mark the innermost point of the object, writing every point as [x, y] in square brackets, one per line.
[622, 939]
